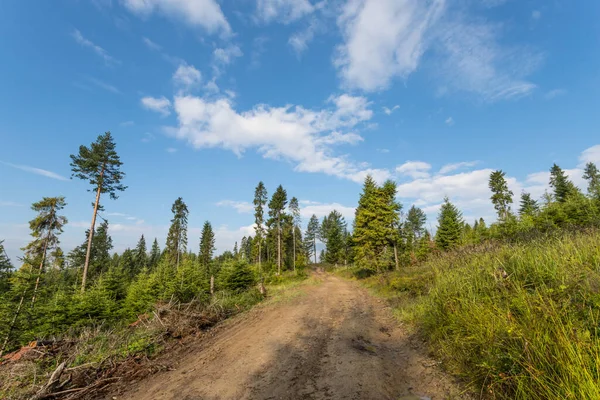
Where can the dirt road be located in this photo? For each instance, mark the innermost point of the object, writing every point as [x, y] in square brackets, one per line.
[330, 341]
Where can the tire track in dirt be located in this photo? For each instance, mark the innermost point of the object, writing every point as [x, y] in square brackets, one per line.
[334, 341]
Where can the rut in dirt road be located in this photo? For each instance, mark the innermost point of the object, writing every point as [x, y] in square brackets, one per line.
[331, 341]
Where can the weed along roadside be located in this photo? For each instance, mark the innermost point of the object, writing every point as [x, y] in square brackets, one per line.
[514, 321]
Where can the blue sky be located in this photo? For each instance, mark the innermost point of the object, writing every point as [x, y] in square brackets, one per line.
[205, 98]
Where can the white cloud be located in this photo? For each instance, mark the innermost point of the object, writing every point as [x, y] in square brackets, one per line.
[187, 76]
[322, 209]
[555, 93]
[299, 41]
[127, 123]
[383, 150]
[171, 150]
[147, 137]
[283, 11]
[226, 55]
[161, 105]
[386, 39]
[108, 59]
[37, 171]
[390, 111]
[536, 14]
[449, 121]
[242, 207]
[203, 13]
[414, 169]
[591, 154]
[383, 39]
[225, 237]
[291, 133]
[455, 166]
[151, 45]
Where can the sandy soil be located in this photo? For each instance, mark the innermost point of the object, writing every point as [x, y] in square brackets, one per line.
[331, 341]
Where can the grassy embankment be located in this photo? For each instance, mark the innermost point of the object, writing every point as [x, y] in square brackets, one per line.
[516, 321]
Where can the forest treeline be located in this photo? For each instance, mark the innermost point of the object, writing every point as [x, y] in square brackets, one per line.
[52, 292]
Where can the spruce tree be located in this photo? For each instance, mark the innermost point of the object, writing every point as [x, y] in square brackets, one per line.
[207, 247]
[100, 165]
[99, 252]
[177, 237]
[141, 255]
[528, 206]
[260, 200]
[562, 186]
[312, 232]
[332, 232]
[501, 194]
[276, 212]
[391, 216]
[296, 221]
[45, 228]
[592, 176]
[450, 225]
[154, 254]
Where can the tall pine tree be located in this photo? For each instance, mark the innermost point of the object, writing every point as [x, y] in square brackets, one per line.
[561, 185]
[207, 247]
[296, 221]
[260, 200]
[592, 176]
[140, 255]
[100, 165]
[312, 232]
[154, 254]
[177, 237]
[501, 194]
[276, 212]
[528, 206]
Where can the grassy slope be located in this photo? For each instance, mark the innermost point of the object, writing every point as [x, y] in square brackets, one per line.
[517, 321]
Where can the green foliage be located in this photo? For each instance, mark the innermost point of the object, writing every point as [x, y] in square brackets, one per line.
[236, 276]
[177, 236]
[207, 248]
[5, 269]
[501, 194]
[562, 186]
[592, 176]
[528, 206]
[450, 223]
[312, 232]
[332, 234]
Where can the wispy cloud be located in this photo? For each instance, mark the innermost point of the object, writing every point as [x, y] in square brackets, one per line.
[552, 94]
[171, 150]
[147, 137]
[127, 123]
[10, 204]
[390, 111]
[161, 105]
[80, 39]
[456, 166]
[37, 171]
[242, 207]
[151, 45]
[449, 121]
[103, 85]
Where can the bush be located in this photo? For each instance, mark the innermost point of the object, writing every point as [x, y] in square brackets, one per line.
[236, 276]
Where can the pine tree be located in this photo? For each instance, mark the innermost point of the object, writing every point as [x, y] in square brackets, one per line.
[501, 194]
[312, 232]
[294, 208]
[100, 165]
[260, 200]
[332, 233]
[5, 269]
[45, 228]
[177, 237]
[235, 250]
[276, 212]
[99, 252]
[592, 176]
[562, 186]
[450, 225]
[207, 247]
[528, 206]
[141, 255]
[154, 255]
[391, 217]
[415, 222]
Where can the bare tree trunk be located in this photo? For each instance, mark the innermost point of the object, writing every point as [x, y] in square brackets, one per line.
[212, 285]
[278, 247]
[396, 257]
[39, 275]
[13, 322]
[259, 256]
[91, 234]
[294, 239]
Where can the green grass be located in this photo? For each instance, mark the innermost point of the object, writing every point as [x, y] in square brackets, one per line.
[516, 321]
